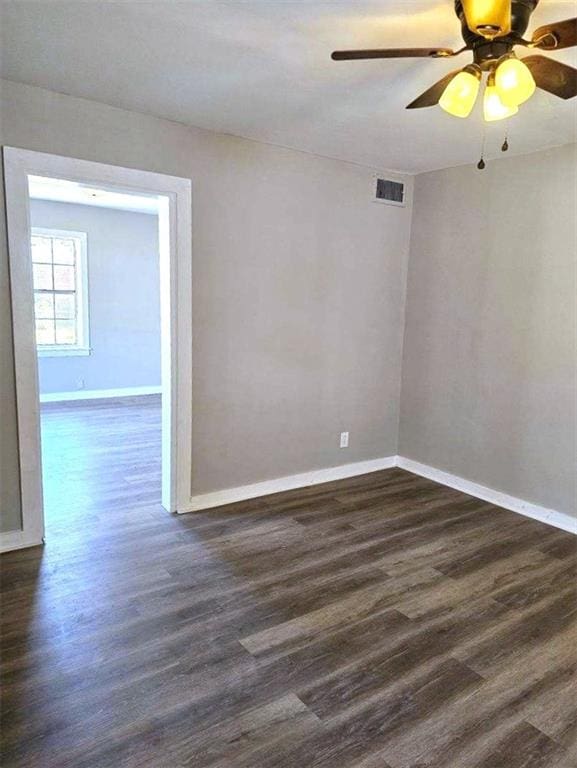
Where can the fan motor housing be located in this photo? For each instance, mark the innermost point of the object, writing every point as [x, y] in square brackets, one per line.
[486, 50]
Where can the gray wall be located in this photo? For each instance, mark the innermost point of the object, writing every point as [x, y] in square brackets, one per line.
[489, 369]
[124, 299]
[298, 292]
[298, 302]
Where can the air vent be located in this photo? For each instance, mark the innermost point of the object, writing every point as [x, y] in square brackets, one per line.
[388, 192]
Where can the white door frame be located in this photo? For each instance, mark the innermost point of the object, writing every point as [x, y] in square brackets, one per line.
[175, 231]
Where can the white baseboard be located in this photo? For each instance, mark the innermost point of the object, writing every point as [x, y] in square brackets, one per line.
[98, 394]
[12, 540]
[543, 514]
[244, 492]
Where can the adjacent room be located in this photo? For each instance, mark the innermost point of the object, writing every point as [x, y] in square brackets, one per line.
[288, 384]
[96, 279]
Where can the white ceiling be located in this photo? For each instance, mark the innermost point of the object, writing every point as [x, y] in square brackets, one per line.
[261, 69]
[63, 191]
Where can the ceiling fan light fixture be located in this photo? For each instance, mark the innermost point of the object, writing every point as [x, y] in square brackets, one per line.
[493, 107]
[514, 81]
[459, 96]
[489, 18]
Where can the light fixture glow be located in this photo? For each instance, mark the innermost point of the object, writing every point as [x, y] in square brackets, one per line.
[493, 107]
[459, 96]
[489, 18]
[514, 82]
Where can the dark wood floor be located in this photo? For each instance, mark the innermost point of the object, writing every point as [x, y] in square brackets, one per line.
[378, 622]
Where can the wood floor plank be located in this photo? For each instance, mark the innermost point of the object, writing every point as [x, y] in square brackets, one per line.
[362, 603]
[381, 621]
[467, 730]
[523, 746]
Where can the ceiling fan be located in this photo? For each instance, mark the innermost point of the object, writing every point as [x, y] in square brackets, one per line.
[491, 29]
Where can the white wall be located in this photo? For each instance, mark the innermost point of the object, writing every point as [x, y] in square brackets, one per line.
[297, 300]
[490, 354]
[124, 299]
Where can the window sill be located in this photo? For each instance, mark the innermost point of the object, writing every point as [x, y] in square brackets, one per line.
[61, 352]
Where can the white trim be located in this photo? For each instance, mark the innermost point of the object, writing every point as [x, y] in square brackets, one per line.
[543, 514]
[98, 394]
[63, 351]
[242, 493]
[175, 226]
[316, 477]
[18, 540]
[25, 359]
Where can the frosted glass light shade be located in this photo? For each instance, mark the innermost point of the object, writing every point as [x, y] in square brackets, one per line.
[459, 96]
[514, 82]
[493, 107]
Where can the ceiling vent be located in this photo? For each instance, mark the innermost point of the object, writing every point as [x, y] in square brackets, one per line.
[388, 191]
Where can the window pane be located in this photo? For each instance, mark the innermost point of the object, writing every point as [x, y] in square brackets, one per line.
[44, 306]
[64, 250]
[65, 305]
[44, 332]
[63, 278]
[41, 250]
[42, 276]
[65, 332]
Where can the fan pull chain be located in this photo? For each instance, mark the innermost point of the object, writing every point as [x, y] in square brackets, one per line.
[505, 147]
[481, 164]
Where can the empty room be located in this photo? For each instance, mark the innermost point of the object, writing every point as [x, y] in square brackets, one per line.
[96, 279]
[288, 384]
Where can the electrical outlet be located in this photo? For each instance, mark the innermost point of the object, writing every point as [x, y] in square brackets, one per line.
[344, 439]
[79, 383]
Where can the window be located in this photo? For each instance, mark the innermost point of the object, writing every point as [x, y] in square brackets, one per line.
[60, 292]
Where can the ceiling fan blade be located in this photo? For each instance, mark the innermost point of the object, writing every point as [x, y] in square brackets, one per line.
[553, 76]
[431, 97]
[393, 53]
[553, 37]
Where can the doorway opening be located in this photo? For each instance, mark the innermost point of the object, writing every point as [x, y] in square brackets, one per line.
[100, 267]
[96, 278]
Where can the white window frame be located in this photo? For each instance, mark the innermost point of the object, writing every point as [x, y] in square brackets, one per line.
[82, 320]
